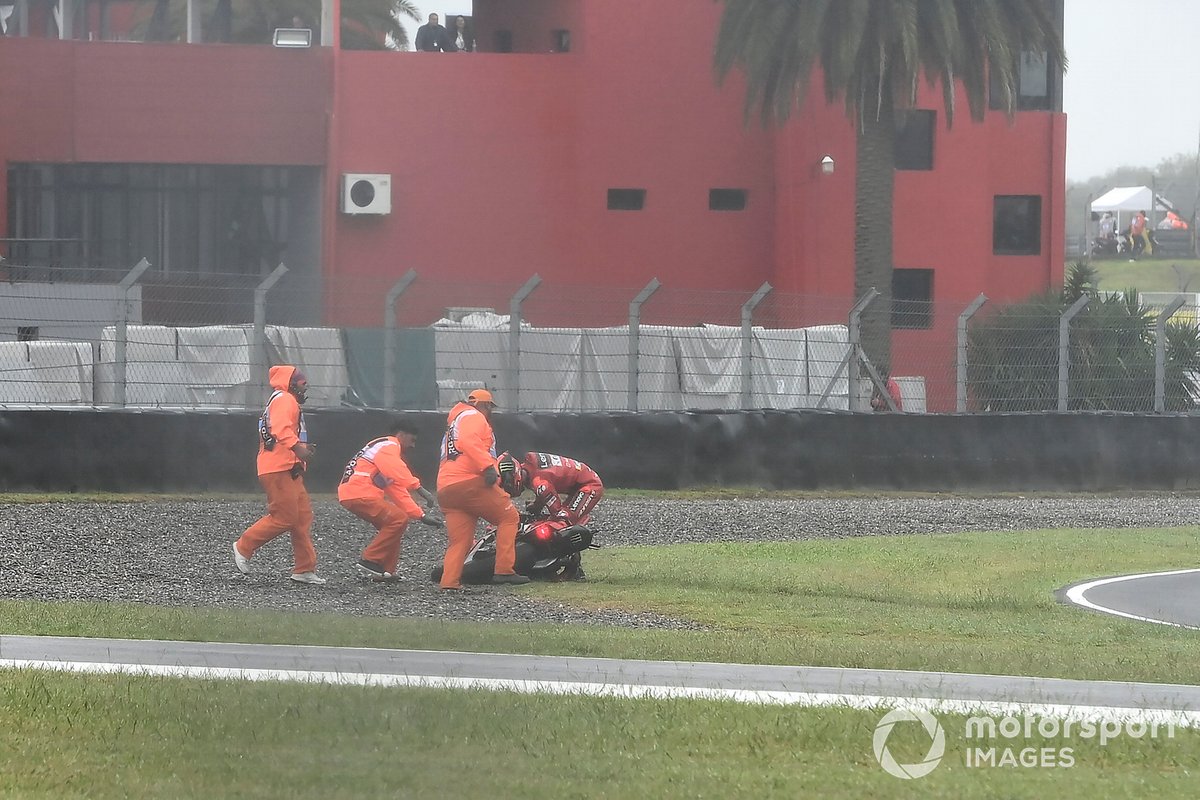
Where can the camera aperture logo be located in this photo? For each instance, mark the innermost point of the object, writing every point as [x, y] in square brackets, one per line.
[937, 745]
[1009, 741]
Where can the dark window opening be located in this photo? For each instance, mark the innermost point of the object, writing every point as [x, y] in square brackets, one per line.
[914, 139]
[626, 199]
[27, 333]
[1017, 225]
[190, 219]
[726, 199]
[912, 298]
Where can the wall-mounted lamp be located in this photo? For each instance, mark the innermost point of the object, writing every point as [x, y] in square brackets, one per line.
[292, 37]
[827, 165]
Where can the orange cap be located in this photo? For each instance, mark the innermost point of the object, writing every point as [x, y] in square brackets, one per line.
[480, 396]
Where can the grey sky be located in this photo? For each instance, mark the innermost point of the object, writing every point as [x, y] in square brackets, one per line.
[1132, 90]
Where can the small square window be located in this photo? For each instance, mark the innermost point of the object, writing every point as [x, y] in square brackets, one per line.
[726, 199]
[1017, 225]
[914, 139]
[626, 199]
[912, 298]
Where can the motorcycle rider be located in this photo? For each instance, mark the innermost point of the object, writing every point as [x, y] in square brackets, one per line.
[548, 476]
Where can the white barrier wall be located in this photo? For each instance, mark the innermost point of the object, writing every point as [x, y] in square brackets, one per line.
[45, 373]
[587, 369]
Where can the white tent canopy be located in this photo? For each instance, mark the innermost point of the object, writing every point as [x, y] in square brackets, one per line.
[1129, 198]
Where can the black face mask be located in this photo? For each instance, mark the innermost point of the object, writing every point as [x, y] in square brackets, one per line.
[300, 393]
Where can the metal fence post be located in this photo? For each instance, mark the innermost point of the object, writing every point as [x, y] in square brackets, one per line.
[1160, 354]
[635, 321]
[389, 337]
[258, 347]
[855, 336]
[119, 356]
[514, 339]
[1064, 353]
[960, 360]
[748, 341]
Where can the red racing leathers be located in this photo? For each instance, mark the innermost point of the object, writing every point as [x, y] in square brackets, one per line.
[548, 476]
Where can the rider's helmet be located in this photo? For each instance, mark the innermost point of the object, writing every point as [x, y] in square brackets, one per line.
[512, 480]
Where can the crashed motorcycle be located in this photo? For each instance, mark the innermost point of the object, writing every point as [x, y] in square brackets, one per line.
[547, 550]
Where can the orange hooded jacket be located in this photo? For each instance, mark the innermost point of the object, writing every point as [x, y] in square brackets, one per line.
[281, 425]
[379, 470]
[468, 448]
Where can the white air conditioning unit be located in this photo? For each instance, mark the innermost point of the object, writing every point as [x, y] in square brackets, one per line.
[366, 194]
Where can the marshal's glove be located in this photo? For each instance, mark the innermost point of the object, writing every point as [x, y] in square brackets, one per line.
[490, 476]
[432, 519]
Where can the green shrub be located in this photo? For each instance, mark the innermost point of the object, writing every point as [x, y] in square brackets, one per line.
[1013, 353]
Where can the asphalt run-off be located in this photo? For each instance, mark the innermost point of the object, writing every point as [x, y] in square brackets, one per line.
[1165, 598]
[944, 692]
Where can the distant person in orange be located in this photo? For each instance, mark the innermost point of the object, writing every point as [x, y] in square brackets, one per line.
[377, 486]
[283, 453]
[468, 488]
[1139, 241]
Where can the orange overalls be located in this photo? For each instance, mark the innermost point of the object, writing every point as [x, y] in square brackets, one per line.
[280, 471]
[374, 476]
[468, 449]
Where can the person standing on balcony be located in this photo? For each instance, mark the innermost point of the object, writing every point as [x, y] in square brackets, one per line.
[283, 454]
[433, 38]
[461, 37]
[468, 487]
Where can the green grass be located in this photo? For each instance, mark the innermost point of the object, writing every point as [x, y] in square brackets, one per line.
[975, 602]
[1148, 275]
[968, 602]
[64, 736]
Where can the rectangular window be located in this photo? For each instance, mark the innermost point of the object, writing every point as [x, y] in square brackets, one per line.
[912, 298]
[914, 139]
[1035, 85]
[1017, 225]
[27, 333]
[626, 199]
[726, 199]
[182, 218]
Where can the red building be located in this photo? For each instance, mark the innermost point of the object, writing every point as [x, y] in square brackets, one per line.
[597, 151]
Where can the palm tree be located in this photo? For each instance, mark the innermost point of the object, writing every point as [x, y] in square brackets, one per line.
[366, 24]
[872, 53]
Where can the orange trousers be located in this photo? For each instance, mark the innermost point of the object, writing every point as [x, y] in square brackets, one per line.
[389, 521]
[288, 509]
[464, 503]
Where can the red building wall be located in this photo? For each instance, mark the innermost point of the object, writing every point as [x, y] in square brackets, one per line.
[501, 163]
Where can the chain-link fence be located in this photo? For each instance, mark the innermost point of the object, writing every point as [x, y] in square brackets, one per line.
[414, 341]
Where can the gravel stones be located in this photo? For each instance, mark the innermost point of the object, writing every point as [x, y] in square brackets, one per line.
[177, 552]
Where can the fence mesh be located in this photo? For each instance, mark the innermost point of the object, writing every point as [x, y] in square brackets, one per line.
[412, 342]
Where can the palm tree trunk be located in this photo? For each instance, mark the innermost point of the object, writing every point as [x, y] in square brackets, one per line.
[873, 227]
